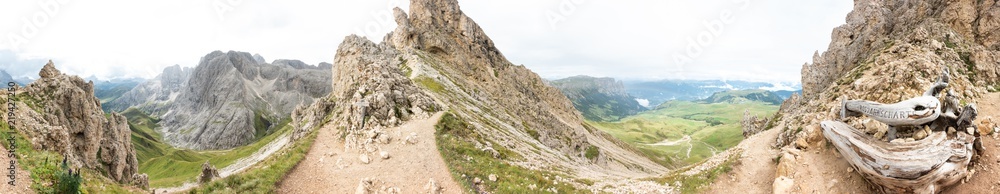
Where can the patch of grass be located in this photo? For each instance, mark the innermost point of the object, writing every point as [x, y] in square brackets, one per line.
[404, 68]
[169, 166]
[261, 125]
[264, 176]
[466, 163]
[592, 152]
[948, 43]
[533, 133]
[695, 183]
[854, 74]
[430, 84]
[970, 66]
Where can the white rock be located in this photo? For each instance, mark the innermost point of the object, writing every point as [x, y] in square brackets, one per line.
[364, 158]
[493, 177]
[384, 154]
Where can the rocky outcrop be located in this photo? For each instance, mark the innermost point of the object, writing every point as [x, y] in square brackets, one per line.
[372, 93]
[59, 113]
[752, 125]
[598, 99]
[439, 59]
[208, 172]
[890, 50]
[116, 151]
[920, 34]
[228, 100]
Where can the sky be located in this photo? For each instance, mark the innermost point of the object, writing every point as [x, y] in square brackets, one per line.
[627, 39]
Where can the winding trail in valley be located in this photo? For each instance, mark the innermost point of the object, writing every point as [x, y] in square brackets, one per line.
[239, 165]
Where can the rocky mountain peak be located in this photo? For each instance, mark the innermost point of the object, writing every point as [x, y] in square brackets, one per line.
[49, 71]
[228, 100]
[60, 113]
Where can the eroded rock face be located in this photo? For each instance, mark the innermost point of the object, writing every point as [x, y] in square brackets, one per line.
[60, 113]
[372, 91]
[117, 154]
[751, 124]
[159, 90]
[229, 98]
[891, 50]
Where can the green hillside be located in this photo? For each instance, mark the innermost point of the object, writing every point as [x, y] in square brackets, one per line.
[169, 166]
[598, 99]
[686, 132]
[743, 96]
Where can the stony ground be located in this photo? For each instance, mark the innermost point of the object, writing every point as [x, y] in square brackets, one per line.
[410, 167]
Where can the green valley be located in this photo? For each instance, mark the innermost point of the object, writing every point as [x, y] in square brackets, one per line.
[680, 133]
[170, 166]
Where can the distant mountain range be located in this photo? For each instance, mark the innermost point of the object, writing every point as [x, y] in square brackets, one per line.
[743, 96]
[657, 92]
[228, 100]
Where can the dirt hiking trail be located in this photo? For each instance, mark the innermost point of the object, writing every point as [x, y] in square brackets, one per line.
[328, 168]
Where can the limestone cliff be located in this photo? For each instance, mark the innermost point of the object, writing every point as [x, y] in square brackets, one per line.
[230, 98]
[161, 89]
[60, 113]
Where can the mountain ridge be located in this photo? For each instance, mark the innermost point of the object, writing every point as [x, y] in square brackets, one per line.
[229, 99]
[442, 60]
[598, 99]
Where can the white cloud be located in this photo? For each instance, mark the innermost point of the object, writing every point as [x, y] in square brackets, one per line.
[643, 102]
[629, 39]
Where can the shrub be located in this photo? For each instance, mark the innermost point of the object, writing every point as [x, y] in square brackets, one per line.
[69, 182]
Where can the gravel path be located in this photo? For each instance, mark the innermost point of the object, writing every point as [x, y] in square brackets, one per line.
[328, 168]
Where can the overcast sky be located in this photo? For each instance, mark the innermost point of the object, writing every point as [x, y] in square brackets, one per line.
[631, 39]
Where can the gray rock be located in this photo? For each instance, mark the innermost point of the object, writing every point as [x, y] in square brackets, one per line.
[208, 172]
[65, 117]
[364, 158]
[224, 101]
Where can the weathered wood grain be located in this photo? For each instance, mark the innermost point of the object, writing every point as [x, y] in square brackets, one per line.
[924, 166]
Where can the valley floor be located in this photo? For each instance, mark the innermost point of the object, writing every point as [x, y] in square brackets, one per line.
[329, 168]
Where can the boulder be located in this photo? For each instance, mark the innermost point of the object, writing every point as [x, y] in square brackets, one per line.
[208, 172]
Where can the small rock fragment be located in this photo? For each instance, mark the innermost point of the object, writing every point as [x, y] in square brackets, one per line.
[364, 158]
[384, 154]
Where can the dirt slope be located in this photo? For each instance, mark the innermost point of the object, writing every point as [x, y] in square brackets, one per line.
[22, 181]
[750, 174]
